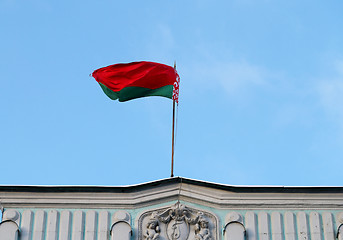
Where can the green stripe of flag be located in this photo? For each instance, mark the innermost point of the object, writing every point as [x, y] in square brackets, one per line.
[129, 93]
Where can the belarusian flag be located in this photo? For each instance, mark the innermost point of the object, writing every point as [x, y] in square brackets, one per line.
[126, 81]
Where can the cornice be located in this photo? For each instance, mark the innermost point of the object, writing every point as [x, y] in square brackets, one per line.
[161, 191]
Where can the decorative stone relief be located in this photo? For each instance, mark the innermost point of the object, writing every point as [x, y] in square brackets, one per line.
[11, 215]
[178, 222]
[233, 217]
[340, 217]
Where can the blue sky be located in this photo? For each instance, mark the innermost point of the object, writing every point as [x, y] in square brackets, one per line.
[261, 92]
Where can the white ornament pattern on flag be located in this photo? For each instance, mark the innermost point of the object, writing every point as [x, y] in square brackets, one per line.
[176, 88]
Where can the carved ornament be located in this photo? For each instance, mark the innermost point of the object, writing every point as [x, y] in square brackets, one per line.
[178, 222]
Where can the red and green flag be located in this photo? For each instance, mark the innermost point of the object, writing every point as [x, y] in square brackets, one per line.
[126, 81]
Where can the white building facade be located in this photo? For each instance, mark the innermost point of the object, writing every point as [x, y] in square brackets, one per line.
[171, 209]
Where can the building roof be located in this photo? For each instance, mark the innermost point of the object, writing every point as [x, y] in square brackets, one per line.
[172, 181]
[170, 189]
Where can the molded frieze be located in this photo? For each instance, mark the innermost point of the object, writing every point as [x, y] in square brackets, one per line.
[177, 222]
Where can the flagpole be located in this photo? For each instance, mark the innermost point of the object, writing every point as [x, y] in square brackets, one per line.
[173, 134]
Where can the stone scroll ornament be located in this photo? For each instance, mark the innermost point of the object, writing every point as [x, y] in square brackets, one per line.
[178, 223]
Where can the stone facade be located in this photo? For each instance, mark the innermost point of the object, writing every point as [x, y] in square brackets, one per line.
[171, 209]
